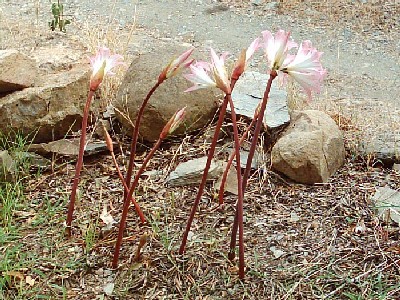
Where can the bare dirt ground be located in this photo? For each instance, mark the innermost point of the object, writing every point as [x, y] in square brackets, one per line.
[301, 241]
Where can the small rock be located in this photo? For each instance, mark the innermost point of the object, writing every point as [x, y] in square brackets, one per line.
[384, 148]
[255, 163]
[249, 91]
[35, 160]
[190, 235]
[257, 2]
[271, 5]
[109, 112]
[396, 167]
[102, 125]
[109, 288]
[311, 149]
[68, 147]
[294, 216]
[191, 172]
[231, 184]
[276, 252]
[387, 202]
[369, 46]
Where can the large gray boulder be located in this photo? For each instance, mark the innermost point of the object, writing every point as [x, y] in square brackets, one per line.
[168, 98]
[311, 149]
[18, 71]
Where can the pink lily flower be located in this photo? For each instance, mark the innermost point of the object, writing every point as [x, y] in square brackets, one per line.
[254, 46]
[277, 47]
[205, 75]
[306, 68]
[102, 64]
[176, 65]
[244, 58]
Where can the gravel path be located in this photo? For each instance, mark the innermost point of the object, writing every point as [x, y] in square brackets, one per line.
[360, 66]
[363, 65]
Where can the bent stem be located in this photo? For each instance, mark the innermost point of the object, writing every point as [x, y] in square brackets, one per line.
[127, 202]
[79, 163]
[246, 173]
[239, 209]
[205, 173]
[121, 177]
[136, 134]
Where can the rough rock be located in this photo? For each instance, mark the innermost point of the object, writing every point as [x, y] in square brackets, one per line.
[249, 91]
[168, 98]
[18, 71]
[191, 172]
[49, 111]
[7, 167]
[68, 147]
[383, 147]
[311, 149]
[387, 203]
[54, 106]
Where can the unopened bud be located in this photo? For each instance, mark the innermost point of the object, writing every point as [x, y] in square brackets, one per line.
[108, 139]
[173, 123]
[240, 65]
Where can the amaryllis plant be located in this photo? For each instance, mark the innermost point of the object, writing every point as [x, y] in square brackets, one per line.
[102, 64]
[215, 74]
[173, 68]
[304, 67]
[169, 128]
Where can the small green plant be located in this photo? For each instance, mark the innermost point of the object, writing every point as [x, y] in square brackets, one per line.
[57, 9]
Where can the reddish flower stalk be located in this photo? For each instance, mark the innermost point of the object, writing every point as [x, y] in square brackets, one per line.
[239, 209]
[230, 160]
[205, 173]
[135, 135]
[121, 177]
[173, 68]
[102, 63]
[79, 163]
[127, 203]
[201, 79]
[246, 173]
[168, 128]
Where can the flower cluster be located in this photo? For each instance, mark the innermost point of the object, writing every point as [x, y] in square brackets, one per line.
[304, 67]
